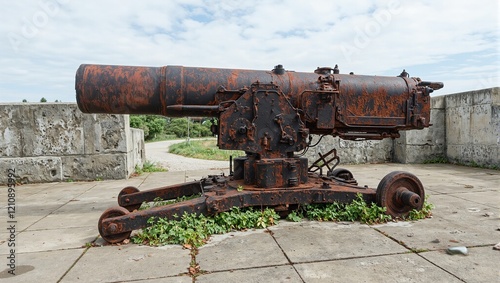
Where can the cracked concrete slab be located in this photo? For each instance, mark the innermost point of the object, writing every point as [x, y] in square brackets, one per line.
[393, 268]
[240, 249]
[308, 241]
[129, 262]
[53, 239]
[479, 265]
[42, 266]
[284, 273]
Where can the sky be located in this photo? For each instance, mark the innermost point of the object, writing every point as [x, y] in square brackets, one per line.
[43, 42]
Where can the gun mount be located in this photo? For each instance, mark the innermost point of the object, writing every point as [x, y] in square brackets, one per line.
[270, 115]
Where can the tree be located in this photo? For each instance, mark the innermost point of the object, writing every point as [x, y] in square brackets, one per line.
[43, 99]
[157, 126]
[179, 127]
[152, 125]
[24, 100]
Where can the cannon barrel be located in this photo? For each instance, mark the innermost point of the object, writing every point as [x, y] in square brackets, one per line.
[170, 90]
[350, 106]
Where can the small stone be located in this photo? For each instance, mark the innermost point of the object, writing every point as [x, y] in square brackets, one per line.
[497, 247]
[488, 214]
[436, 241]
[410, 235]
[457, 250]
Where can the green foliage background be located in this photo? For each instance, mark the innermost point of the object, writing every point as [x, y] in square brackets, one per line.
[161, 128]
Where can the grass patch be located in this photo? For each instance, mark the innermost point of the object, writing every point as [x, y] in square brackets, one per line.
[436, 160]
[444, 160]
[148, 167]
[194, 230]
[162, 137]
[203, 149]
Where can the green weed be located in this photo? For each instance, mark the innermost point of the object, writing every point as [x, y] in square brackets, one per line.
[436, 159]
[426, 211]
[148, 167]
[357, 210]
[194, 230]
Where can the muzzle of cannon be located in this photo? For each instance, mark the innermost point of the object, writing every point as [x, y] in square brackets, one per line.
[270, 115]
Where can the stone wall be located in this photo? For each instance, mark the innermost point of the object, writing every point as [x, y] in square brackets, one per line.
[50, 142]
[466, 130]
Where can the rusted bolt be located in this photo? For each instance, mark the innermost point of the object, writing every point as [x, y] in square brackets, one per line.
[112, 228]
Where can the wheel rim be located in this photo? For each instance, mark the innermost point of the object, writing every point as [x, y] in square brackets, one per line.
[127, 191]
[110, 213]
[342, 173]
[400, 192]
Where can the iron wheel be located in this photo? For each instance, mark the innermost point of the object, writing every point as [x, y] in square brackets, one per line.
[110, 213]
[400, 192]
[126, 191]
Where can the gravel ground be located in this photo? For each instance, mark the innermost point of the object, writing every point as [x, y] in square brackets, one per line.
[158, 152]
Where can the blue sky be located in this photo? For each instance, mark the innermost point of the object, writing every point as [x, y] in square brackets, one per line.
[43, 42]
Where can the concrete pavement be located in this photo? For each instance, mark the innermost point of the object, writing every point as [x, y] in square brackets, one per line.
[56, 234]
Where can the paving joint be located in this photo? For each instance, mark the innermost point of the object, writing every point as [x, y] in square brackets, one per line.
[74, 263]
[413, 251]
[284, 253]
[443, 269]
[52, 212]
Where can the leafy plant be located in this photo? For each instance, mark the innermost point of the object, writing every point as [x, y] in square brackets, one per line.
[192, 229]
[148, 166]
[295, 216]
[425, 212]
[357, 210]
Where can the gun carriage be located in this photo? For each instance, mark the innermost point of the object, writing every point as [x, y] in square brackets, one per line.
[270, 115]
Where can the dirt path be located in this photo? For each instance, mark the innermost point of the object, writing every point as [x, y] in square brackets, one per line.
[158, 152]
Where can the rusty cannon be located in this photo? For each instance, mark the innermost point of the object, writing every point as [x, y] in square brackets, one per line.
[270, 115]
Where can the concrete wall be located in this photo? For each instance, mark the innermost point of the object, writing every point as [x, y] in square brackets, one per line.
[352, 152]
[49, 142]
[473, 123]
[466, 130]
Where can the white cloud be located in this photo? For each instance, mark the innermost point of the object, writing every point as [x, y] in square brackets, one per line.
[43, 43]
